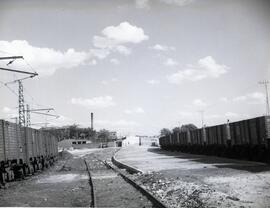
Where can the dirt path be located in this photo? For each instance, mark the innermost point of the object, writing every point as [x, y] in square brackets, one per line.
[64, 185]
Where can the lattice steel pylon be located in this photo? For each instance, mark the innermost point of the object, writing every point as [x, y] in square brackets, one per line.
[28, 121]
[21, 105]
[21, 98]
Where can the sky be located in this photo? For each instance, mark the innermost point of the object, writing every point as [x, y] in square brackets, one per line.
[138, 65]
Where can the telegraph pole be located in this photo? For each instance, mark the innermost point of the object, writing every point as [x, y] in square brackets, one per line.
[265, 83]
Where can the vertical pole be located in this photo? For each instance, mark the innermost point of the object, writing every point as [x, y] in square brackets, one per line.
[21, 105]
[4, 139]
[204, 135]
[202, 117]
[265, 83]
[92, 121]
[28, 122]
[267, 99]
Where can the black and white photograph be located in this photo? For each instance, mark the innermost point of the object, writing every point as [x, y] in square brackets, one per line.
[135, 103]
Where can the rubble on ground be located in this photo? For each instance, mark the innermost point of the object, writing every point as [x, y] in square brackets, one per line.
[178, 193]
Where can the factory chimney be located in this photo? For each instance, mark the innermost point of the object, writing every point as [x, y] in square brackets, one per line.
[92, 121]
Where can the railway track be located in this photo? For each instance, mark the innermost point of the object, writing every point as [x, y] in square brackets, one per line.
[125, 183]
[93, 196]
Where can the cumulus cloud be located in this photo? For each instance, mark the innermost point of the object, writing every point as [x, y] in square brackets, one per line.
[199, 103]
[240, 98]
[205, 68]
[224, 99]
[125, 33]
[159, 47]
[137, 110]
[114, 80]
[122, 49]
[258, 97]
[114, 61]
[46, 60]
[153, 81]
[106, 82]
[99, 53]
[114, 37]
[142, 4]
[95, 102]
[92, 62]
[251, 98]
[10, 113]
[177, 2]
[6, 110]
[170, 62]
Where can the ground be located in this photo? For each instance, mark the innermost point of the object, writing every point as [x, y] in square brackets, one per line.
[185, 180]
[177, 179]
[63, 185]
[66, 184]
[110, 188]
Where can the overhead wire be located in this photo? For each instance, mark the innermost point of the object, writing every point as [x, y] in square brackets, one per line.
[5, 85]
[27, 63]
[33, 102]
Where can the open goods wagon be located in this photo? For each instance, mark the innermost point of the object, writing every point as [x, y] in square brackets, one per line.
[23, 143]
[246, 139]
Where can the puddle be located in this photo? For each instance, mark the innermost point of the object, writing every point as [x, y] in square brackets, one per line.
[62, 178]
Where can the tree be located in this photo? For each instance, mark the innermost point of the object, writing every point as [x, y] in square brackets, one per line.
[188, 127]
[73, 131]
[104, 135]
[92, 134]
[165, 132]
[176, 130]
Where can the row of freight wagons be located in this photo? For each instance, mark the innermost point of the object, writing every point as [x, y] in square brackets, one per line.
[24, 143]
[247, 139]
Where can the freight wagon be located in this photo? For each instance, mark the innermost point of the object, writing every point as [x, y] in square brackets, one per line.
[25, 148]
[247, 139]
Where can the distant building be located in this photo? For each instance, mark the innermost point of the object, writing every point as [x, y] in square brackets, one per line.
[113, 135]
[74, 144]
[141, 140]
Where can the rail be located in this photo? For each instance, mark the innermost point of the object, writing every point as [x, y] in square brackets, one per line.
[156, 202]
[92, 189]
